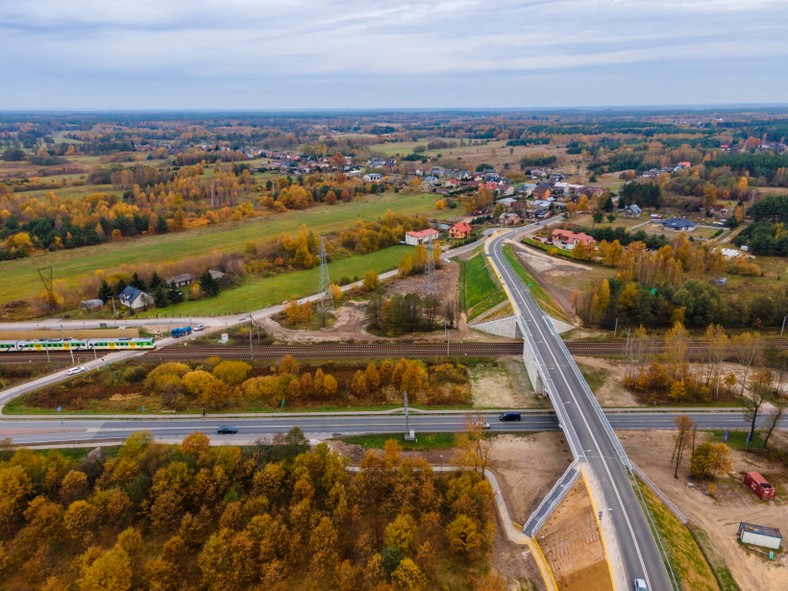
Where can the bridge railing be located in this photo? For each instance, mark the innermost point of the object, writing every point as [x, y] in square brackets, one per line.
[549, 386]
[551, 500]
[590, 395]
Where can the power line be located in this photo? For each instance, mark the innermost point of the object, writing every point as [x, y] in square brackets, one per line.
[326, 302]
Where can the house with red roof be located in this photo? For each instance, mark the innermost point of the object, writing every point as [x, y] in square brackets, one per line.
[460, 230]
[567, 239]
[415, 238]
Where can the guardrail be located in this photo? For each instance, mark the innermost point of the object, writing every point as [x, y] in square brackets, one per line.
[551, 500]
[622, 455]
[662, 496]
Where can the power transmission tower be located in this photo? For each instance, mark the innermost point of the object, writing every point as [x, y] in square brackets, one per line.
[48, 286]
[430, 284]
[326, 301]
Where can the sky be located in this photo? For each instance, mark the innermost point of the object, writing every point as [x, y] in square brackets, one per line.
[389, 54]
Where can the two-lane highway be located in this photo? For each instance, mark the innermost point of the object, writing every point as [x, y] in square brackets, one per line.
[600, 447]
[42, 431]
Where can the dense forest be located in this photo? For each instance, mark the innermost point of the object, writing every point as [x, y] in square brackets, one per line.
[275, 516]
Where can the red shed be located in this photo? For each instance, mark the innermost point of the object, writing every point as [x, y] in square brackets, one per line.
[760, 485]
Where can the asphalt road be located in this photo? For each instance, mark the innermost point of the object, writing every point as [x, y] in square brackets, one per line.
[588, 431]
[38, 431]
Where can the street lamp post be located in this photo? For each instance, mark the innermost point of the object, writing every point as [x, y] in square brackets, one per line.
[782, 330]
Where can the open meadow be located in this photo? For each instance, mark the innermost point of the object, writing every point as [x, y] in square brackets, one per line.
[21, 281]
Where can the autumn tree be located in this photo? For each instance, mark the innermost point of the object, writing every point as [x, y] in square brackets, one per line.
[684, 426]
[710, 458]
[371, 281]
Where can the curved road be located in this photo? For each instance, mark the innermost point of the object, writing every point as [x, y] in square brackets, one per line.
[587, 430]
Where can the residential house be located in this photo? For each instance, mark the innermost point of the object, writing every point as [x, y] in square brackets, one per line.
[372, 177]
[568, 240]
[542, 190]
[678, 225]
[509, 219]
[632, 211]
[421, 237]
[507, 202]
[135, 299]
[219, 277]
[460, 230]
[181, 280]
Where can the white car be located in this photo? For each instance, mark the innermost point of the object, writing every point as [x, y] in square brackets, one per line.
[640, 585]
[198, 327]
[76, 370]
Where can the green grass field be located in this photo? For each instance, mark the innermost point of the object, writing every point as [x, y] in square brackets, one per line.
[537, 291]
[21, 281]
[478, 290]
[425, 441]
[274, 290]
[686, 557]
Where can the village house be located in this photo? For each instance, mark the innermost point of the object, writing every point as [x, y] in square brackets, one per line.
[135, 299]
[460, 231]
[678, 225]
[421, 236]
[181, 280]
[632, 211]
[509, 218]
[372, 177]
[567, 240]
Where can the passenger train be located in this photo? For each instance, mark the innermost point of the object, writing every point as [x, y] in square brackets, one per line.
[100, 344]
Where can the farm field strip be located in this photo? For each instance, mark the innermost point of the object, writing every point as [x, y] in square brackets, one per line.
[21, 281]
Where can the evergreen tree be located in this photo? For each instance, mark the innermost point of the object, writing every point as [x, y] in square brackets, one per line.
[137, 282]
[156, 281]
[174, 295]
[209, 285]
[104, 292]
[120, 286]
[160, 297]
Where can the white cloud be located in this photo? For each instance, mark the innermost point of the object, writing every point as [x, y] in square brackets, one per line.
[224, 40]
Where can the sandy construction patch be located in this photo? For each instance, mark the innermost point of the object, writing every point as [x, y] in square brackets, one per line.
[613, 392]
[720, 515]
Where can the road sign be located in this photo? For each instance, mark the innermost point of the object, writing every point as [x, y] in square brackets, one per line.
[725, 436]
[59, 408]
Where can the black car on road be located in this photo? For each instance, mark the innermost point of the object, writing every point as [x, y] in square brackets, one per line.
[226, 430]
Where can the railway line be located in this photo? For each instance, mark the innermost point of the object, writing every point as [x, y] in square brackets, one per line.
[368, 350]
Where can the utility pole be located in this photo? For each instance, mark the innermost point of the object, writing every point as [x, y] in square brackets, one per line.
[615, 330]
[430, 285]
[782, 330]
[446, 330]
[326, 301]
[251, 350]
[408, 435]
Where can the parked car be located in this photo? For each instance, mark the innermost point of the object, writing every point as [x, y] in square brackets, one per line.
[640, 585]
[510, 416]
[76, 370]
[227, 430]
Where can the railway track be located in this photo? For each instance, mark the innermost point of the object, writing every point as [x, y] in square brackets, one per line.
[368, 350]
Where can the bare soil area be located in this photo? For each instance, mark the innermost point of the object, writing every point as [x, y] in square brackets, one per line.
[351, 320]
[719, 514]
[612, 392]
[504, 386]
[571, 543]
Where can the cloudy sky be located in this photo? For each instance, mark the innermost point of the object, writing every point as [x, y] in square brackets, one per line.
[345, 54]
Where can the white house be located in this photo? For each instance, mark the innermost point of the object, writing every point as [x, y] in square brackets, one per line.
[372, 177]
[135, 299]
[760, 535]
[421, 237]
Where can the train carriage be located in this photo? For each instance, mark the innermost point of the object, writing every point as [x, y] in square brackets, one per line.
[68, 344]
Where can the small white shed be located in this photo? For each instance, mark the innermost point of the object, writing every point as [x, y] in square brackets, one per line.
[760, 535]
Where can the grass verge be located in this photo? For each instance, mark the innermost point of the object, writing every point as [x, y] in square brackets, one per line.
[479, 292]
[424, 441]
[688, 561]
[545, 302]
[595, 376]
[717, 563]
